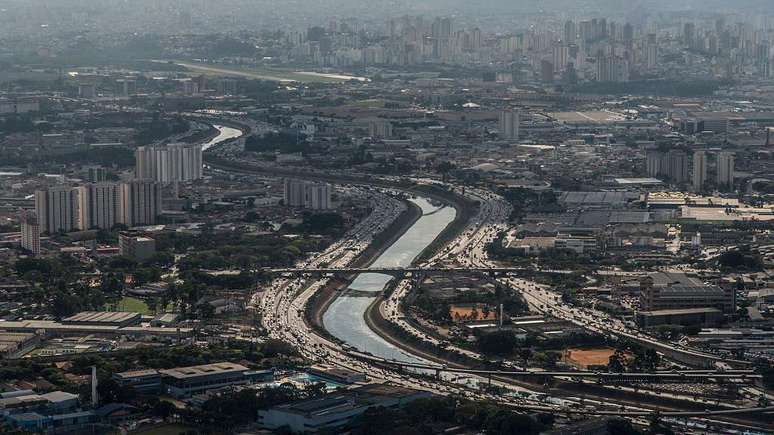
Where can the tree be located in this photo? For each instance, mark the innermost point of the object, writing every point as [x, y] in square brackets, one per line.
[501, 342]
[615, 363]
[525, 354]
[503, 422]
[232, 410]
[620, 426]
[110, 392]
[65, 305]
[659, 427]
[377, 421]
[740, 259]
[112, 283]
[205, 311]
[435, 409]
[153, 304]
[273, 347]
[164, 409]
[647, 360]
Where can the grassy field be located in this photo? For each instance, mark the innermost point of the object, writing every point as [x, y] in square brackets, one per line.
[256, 73]
[134, 305]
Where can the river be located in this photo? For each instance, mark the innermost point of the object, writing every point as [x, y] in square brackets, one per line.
[225, 133]
[344, 318]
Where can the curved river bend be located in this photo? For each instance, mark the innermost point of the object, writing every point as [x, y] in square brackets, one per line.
[344, 318]
[224, 134]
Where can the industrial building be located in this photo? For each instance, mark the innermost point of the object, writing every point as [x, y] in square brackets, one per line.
[676, 290]
[337, 410]
[103, 318]
[184, 381]
[703, 317]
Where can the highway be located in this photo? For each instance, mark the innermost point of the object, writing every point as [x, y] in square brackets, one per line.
[282, 306]
[283, 302]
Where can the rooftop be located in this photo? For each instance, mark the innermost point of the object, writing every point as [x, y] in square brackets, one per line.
[204, 370]
[101, 317]
[680, 312]
[137, 373]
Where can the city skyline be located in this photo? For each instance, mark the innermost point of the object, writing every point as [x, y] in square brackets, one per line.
[387, 218]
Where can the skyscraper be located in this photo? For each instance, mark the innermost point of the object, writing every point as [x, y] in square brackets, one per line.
[98, 206]
[699, 170]
[628, 35]
[509, 124]
[30, 232]
[651, 52]
[140, 202]
[725, 169]
[57, 209]
[689, 32]
[570, 33]
[561, 55]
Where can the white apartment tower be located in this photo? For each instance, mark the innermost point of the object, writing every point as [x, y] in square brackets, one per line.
[168, 164]
[380, 129]
[509, 124]
[307, 194]
[294, 193]
[699, 170]
[57, 209]
[725, 169]
[30, 233]
[98, 206]
[140, 202]
[318, 196]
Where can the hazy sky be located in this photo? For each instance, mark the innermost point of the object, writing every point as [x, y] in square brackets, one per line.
[28, 17]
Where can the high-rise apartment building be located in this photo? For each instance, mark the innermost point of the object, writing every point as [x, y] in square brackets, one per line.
[628, 35]
[509, 124]
[57, 209]
[560, 54]
[170, 163]
[612, 69]
[677, 166]
[30, 232]
[570, 32]
[318, 196]
[96, 174]
[725, 169]
[651, 52]
[699, 170]
[380, 129]
[307, 194]
[654, 163]
[140, 202]
[98, 206]
[672, 165]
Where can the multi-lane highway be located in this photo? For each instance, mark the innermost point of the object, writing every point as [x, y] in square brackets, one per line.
[283, 302]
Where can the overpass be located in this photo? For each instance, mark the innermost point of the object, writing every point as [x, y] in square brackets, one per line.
[655, 377]
[400, 272]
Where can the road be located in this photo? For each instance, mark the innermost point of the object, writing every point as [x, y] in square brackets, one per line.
[283, 302]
